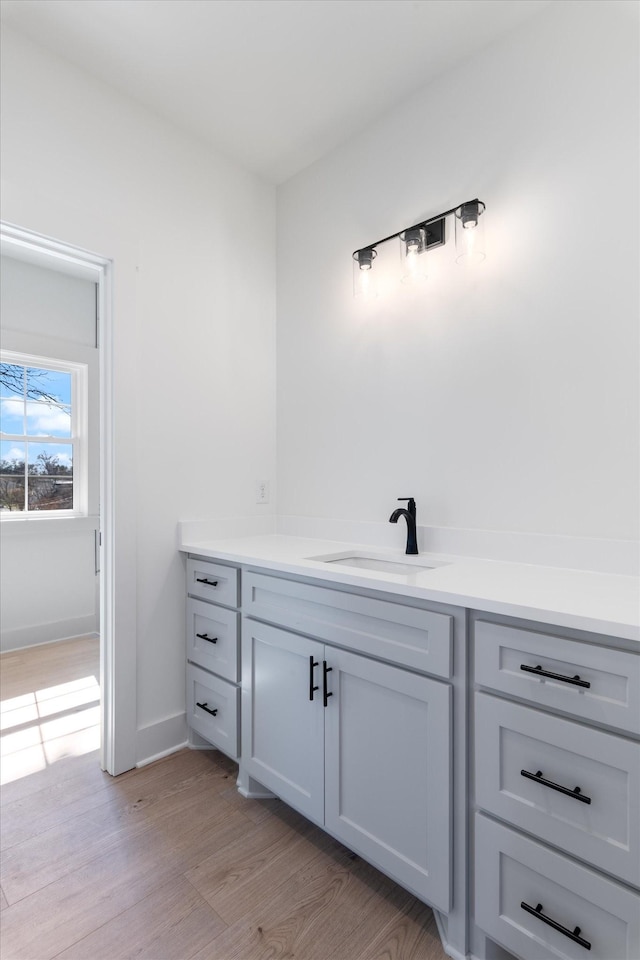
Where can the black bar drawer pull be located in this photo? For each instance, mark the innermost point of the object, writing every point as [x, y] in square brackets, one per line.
[576, 681]
[572, 934]
[207, 708]
[325, 671]
[209, 583]
[203, 636]
[576, 793]
[312, 663]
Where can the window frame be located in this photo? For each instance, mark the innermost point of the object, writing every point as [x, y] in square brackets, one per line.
[79, 435]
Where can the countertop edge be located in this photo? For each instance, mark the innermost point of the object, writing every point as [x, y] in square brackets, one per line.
[471, 601]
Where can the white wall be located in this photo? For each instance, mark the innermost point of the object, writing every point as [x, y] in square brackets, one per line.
[48, 581]
[194, 355]
[506, 398]
[46, 303]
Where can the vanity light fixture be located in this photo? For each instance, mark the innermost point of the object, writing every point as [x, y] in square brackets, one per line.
[417, 239]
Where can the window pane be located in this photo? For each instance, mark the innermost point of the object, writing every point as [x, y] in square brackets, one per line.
[11, 380]
[50, 493]
[35, 407]
[48, 385]
[46, 419]
[12, 494]
[12, 456]
[12, 416]
[50, 467]
[50, 459]
[11, 476]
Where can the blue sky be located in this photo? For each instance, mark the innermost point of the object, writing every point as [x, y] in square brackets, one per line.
[20, 416]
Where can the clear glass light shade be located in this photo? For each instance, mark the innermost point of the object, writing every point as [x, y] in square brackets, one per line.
[470, 233]
[364, 274]
[413, 245]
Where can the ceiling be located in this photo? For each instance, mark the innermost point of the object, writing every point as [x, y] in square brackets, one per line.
[275, 84]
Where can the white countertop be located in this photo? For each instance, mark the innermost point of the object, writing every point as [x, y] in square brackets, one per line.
[596, 602]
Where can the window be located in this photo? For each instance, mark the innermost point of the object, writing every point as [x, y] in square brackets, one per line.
[42, 446]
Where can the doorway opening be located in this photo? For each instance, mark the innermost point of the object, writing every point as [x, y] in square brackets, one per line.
[74, 698]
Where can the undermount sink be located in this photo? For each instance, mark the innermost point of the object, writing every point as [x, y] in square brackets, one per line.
[376, 563]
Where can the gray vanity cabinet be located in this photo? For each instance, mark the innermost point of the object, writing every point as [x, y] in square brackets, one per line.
[357, 708]
[360, 746]
[213, 663]
[557, 775]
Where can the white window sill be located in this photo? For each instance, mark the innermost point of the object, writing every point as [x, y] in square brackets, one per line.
[45, 525]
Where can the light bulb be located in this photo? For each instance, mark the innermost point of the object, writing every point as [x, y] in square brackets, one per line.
[364, 280]
[413, 244]
[470, 232]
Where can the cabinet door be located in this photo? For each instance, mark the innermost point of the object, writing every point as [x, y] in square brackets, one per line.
[282, 728]
[387, 769]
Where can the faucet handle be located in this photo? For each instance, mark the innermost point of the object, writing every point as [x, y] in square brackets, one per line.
[406, 498]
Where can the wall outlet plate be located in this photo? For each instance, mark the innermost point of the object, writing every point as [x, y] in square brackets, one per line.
[262, 491]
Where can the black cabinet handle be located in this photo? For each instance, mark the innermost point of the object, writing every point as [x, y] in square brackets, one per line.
[576, 681]
[325, 671]
[203, 636]
[207, 708]
[576, 793]
[572, 934]
[209, 583]
[312, 663]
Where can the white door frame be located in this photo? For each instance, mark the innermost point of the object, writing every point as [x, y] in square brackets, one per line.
[117, 619]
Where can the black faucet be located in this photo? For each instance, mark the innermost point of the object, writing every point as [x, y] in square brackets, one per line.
[410, 514]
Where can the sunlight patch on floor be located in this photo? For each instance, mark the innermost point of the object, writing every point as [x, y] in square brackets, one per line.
[26, 711]
[22, 764]
[47, 725]
[67, 689]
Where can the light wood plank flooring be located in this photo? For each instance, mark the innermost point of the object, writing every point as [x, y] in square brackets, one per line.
[167, 862]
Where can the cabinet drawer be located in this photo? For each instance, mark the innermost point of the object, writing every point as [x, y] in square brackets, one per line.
[513, 739]
[212, 581]
[212, 693]
[512, 870]
[407, 636]
[212, 638]
[505, 656]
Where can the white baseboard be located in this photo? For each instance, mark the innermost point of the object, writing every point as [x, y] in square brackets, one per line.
[164, 753]
[161, 738]
[36, 635]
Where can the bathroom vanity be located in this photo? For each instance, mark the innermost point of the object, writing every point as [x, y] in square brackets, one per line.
[473, 733]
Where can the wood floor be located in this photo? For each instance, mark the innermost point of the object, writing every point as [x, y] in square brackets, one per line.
[167, 862]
